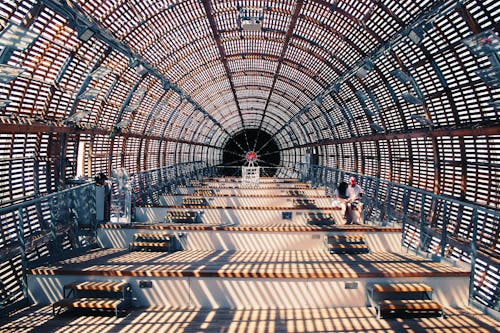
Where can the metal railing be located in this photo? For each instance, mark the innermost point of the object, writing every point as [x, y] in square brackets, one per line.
[41, 229]
[265, 171]
[148, 185]
[432, 224]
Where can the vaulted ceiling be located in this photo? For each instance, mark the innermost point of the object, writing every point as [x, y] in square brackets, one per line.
[395, 89]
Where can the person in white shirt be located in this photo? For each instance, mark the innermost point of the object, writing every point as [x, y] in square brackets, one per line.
[354, 206]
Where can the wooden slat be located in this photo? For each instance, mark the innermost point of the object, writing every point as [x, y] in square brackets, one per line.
[197, 194]
[153, 236]
[90, 303]
[97, 285]
[149, 244]
[348, 246]
[413, 304]
[194, 320]
[279, 264]
[401, 287]
[206, 207]
[264, 227]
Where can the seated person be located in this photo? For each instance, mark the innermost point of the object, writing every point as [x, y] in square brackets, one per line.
[339, 199]
[354, 205]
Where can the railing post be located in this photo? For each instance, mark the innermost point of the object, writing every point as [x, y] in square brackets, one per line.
[422, 224]
[388, 204]
[22, 248]
[406, 202]
[473, 248]
[444, 232]
[379, 207]
[75, 217]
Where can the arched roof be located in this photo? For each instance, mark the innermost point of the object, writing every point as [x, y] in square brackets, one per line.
[385, 88]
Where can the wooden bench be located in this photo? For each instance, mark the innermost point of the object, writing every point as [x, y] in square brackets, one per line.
[152, 242]
[95, 295]
[296, 192]
[420, 307]
[346, 244]
[401, 288]
[6, 297]
[304, 203]
[181, 216]
[205, 193]
[320, 219]
[348, 249]
[349, 239]
[403, 299]
[190, 202]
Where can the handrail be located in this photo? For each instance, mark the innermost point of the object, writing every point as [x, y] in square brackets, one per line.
[427, 224]
[30, 202]
[419, 190]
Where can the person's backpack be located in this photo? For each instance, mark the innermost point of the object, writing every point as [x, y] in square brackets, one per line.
[342, 189]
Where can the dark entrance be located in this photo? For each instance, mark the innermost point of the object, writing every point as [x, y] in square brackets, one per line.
[266, 148]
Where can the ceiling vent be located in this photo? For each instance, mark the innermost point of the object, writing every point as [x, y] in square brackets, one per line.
[251, 19]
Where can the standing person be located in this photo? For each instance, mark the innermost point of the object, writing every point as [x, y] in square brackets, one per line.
[354, 205]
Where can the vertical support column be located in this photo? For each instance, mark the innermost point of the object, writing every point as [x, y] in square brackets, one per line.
[422, 224]
[75, 217]
[406, 200]
[22, 247]
[388, 202]
[377, 192]
[473, 253]
[444, 232]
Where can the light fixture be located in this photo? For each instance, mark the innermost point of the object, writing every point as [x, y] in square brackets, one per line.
[412, 99]
[377, 128]
[368, 111]
[4, 103]
[318, 101]
[131, 107]
[494, 104]
[123, 124]
[416, 35]
[78, 116]
[361, 95]
[140, 91]
[100, 72]
[490, 75]
[362, 99]
[485, 43]
[89, 94]
[9, 73]
[334, 5]
[166, 84]
[364, 69]
[422, 120]
[141, 70]
[334, 88]
[16, 37]
[251, 18]
[133, 62]
[84, 33]
[402, 76]
[349, 113]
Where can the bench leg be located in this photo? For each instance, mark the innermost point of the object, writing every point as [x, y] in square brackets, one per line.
[56, 312]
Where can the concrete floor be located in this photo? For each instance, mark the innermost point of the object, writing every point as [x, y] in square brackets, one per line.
[158, 320]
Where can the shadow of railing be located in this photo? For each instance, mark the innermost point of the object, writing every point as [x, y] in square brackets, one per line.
[41, 229]
[433, 224]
